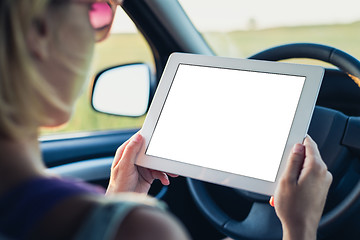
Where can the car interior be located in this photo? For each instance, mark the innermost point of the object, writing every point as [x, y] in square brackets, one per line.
[137, 56]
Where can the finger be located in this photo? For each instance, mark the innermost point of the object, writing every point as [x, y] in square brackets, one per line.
[311, 146]
[295, 163]
[163, 177]
[329, 178]
[131, 150]
[120, 150]
[172, 175]
[271, 201]
[119, 153]
[313, 152]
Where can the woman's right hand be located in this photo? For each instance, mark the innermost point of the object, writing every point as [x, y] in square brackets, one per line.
[301, 194]
[126, 176]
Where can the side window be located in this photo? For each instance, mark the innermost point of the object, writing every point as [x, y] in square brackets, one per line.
[124, 45]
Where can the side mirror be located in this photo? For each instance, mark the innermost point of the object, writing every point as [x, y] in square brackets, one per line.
[122, 90]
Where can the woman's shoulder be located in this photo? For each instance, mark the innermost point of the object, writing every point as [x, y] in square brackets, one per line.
[107, 217]
[131, 216]
[109, 213]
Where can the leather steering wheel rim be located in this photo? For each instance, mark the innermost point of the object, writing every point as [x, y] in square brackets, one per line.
[228, 226]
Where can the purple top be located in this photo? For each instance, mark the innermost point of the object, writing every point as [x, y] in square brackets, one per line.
[23, 207]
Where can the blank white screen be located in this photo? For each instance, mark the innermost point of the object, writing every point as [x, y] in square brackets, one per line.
[230, 120]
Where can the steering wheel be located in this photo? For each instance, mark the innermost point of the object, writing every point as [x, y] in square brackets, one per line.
[337, 136]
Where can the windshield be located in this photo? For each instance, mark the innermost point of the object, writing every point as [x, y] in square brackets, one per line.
[239, 28]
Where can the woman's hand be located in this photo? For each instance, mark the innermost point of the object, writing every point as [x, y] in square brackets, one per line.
[126, 176]
[301, 194]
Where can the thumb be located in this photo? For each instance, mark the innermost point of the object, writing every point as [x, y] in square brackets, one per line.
[132, 148]
[295, 163]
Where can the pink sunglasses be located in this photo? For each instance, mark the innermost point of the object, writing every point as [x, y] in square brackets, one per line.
[101, 16]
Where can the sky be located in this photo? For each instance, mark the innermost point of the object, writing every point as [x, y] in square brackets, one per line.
[210, 15]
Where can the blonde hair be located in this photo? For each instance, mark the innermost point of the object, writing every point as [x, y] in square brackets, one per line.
[22, 89]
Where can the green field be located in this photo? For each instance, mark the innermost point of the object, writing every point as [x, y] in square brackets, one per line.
[127, 48]
[245, 43]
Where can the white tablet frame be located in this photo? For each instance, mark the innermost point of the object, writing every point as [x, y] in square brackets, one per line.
[299, 128]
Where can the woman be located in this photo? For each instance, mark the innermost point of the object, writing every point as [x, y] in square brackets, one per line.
[45, 49]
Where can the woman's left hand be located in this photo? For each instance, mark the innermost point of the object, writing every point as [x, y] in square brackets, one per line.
[126, 176]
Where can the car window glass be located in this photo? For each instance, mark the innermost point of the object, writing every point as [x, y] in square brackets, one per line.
[241, 28]
[124, 45]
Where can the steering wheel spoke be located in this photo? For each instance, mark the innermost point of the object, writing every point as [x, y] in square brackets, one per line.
[261, 223]
[351, 137]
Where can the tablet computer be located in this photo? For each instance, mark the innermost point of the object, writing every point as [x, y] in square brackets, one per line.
[228, 121]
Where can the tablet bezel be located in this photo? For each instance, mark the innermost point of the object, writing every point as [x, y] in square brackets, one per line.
[313, 78]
